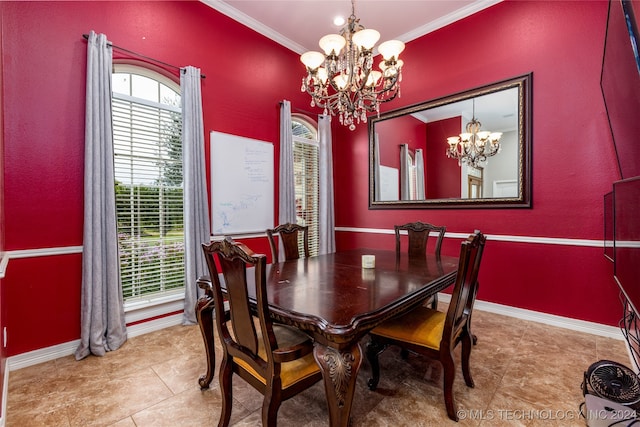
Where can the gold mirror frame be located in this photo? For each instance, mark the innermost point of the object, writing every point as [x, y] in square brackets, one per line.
[523, 198]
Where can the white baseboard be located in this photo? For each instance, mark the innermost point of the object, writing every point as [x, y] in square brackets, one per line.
[547, 319]
[66, 349]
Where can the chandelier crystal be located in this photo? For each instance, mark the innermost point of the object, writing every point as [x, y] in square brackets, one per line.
[342, 79]
[475, 145]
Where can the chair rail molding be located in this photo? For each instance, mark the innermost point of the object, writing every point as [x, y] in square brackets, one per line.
[496, 237]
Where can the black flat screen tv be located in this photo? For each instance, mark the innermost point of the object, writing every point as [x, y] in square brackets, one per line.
[626, 242]
[620, 83]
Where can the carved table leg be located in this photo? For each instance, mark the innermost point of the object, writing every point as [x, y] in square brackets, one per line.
[339, 371]
[204, 313]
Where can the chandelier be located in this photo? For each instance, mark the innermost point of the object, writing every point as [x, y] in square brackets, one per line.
[342, 79]
[475, 145]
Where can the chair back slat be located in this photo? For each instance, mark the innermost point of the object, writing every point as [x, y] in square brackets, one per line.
[418, 237]
[235, 278]
[290, 236]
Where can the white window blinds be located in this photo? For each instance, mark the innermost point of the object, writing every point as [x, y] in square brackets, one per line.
[149, 197]
[306, 176]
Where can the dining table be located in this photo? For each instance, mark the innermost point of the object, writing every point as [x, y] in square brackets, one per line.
[336, 301]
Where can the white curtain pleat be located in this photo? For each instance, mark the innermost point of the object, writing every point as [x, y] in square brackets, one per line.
[419, 175]
[196, 207]
[102, 319]
[286, 185]
[326, 218]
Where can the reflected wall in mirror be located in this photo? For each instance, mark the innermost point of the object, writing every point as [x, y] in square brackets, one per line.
[409, 166]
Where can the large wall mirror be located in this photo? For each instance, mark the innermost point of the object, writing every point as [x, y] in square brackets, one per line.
[412, 150]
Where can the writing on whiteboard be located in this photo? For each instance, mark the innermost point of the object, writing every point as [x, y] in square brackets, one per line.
[229, 212]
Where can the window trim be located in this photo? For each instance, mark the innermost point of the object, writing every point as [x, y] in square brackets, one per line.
[146, 72]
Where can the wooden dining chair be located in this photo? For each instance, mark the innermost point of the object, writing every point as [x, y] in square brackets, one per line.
[433, 333]
[419, 233]
[276, 360]
[290, 236]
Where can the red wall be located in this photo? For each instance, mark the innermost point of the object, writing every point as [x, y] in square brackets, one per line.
[443, 174]
[574, 164]
[44, 58]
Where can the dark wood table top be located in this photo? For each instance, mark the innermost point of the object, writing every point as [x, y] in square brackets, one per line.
[333, 296]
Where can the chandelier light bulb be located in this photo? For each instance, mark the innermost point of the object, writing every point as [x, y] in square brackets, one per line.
[366, 39]
[312, 59]
[484, 135]
[391, 49]
[465, 137]
[322, 75]
[373, 78]
[341, 81]
[332, 44]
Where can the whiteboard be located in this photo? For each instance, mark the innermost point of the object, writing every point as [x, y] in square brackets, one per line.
[242, 184]
[389, 183]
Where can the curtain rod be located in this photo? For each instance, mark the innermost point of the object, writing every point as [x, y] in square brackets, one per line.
[298, 110]
[86, 37]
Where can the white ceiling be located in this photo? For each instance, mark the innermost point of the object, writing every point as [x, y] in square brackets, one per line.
[299, 24]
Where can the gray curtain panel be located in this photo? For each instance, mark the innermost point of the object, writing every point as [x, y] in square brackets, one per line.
[103, 326]
[286, 185]
[326, 220]
[196, 206]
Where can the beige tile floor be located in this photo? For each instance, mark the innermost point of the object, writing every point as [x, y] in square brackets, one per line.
[525, 373]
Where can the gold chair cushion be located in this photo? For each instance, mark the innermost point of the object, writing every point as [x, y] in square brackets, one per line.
[422, 326]
[290, 372]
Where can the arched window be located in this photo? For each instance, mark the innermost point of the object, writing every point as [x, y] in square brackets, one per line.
[147, 139]
[306, 175]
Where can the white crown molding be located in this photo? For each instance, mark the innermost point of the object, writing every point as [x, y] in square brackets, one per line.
[266, 31]
[459, 14]
[257, 26]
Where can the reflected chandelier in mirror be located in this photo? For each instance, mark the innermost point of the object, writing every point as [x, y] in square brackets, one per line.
[414, 162]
